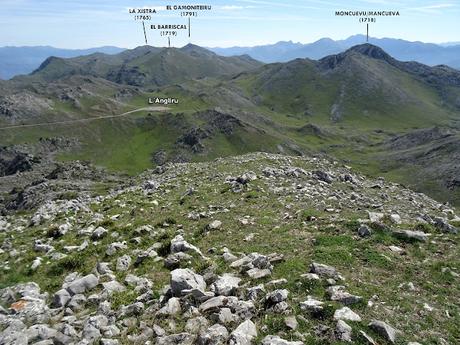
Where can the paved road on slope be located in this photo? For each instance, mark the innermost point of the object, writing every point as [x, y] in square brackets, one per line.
[65, 122]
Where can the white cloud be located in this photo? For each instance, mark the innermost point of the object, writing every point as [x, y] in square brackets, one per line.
[438, 6]
[233, 7]
[287, 5]
[433, 9]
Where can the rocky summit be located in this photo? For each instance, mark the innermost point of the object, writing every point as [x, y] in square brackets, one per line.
[254, 249]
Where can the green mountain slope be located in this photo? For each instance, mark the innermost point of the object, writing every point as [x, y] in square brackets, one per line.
[224, 237]
[147, 66]
[349, 106]
[362, 86]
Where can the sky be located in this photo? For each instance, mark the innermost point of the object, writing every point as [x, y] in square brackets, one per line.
[94, 23]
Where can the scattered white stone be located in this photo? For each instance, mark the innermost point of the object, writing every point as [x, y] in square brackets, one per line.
[275, 340]
[36, 263]
[123, 263]
[375, 217]
[395, 218]
[214, 225]
[291, 322]
[82, 285]
[385, 330]
[186, 279]
[226, 285]
[171, 308]
[411, 235]
[396, 249]
[312, 305]
[243, 334]
[257, 273]
[343, 331]
[346, 314]
[99, 233]
[427, 307]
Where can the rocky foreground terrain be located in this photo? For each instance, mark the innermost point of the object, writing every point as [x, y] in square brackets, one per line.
[256, 249]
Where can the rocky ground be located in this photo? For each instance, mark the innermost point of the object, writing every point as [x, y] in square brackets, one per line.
[256, 249]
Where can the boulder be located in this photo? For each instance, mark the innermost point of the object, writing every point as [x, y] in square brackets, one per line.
[171, 308]
[82, 285]
[395, 218]
[291, 322]
[186, 279]
[112, 286]
[214, 225]
[323, 176]
[196, 325]
[99, 233]
[215, 303]
[277, 296]
[255, 292]
[346, 314]
[311, 305]
[179, 245]
[226, 285]
[385, 330]
[409, 235]
[38, 333]
[243, 334]
[123, 263]
[324, 270]
[375, 217]
[31, 310]
[443, 225]
[134, 309]
[214, 335]
[60, 299]
[257, 273]
[114, 247]
[77, 303]
[343, 331]
[176, 339]
[337, 293]
[364, 231]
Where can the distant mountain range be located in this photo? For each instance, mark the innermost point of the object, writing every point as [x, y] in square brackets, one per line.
[24, 60]
[427, 53]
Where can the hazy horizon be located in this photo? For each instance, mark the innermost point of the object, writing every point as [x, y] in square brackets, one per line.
[445, 44]
[230, 23]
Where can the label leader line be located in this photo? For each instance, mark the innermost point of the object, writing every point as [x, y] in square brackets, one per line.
[145, 33]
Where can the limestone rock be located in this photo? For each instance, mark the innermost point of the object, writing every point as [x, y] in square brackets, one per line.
[275, 340]
[343, 331]
[385, 330]
[226, 285]
[83, 284]
[186, 279]
[346, 314]
[214, 335]
[243, 334]
[411, 235]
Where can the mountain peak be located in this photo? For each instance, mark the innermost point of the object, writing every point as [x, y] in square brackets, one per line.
[371, 51]
[193, 47]
[366, 49]
[324, 40]
[286, 43]
[197, 51]
[48, 61]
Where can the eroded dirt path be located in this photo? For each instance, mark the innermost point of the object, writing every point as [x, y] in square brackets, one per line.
[65, 122]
